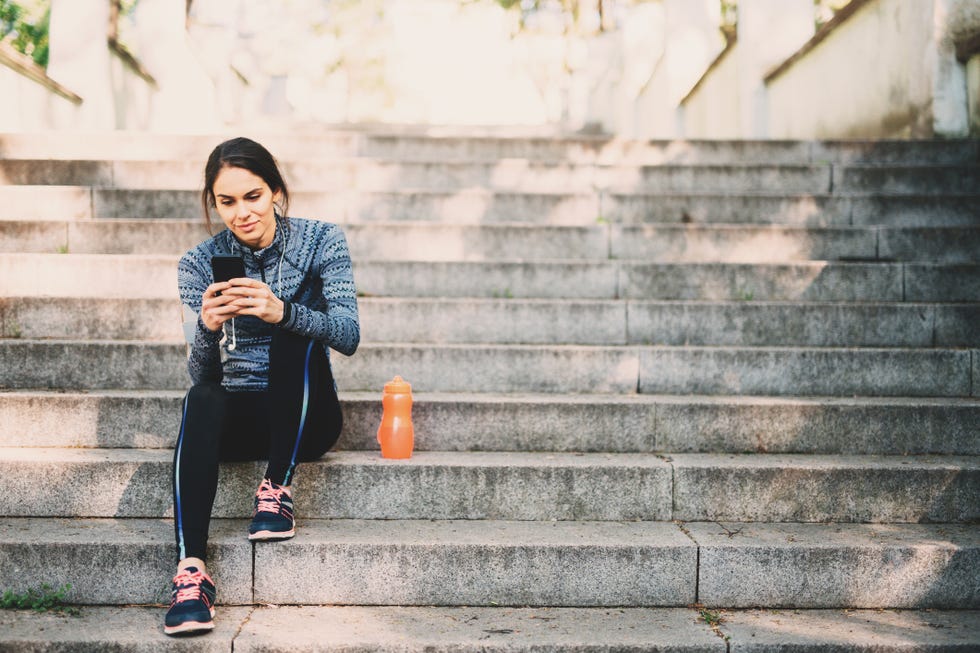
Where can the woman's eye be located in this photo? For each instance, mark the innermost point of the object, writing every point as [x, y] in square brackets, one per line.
[251, 198]
[226, 202]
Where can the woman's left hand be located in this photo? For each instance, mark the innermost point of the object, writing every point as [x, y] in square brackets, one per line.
[252, 297]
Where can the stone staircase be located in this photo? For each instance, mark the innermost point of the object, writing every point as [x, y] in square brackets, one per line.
[669, 396]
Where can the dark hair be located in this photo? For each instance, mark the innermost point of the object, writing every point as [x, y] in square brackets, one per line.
[247, 154]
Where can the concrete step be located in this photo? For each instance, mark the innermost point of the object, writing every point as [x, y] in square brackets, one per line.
[438, 242]
[787, 371]
[369, 629]
[517, 485]
[353, 484]
[468, 144]
[548, 322]
[512, 174]
[505, 174]
[419, 563]
[479, 206]
[372, 562]
[807, 209]
[146, 277]
[504, 422]
[836, 565]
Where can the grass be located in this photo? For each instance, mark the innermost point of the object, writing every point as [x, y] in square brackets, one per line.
[40, 600]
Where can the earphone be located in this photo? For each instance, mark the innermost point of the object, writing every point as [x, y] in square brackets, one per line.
[285, 239]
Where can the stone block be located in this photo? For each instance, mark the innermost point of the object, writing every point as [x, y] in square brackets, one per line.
[492, 368]
[60, 203]
[366, 629]
[812, 281]
[53, 172]
[737, 178]
[823, 631]
[895, 152]
[441, 242]
[801, 488]
[775, 324]
[942, 283]
[817, 425]
[957, 325]
[431, 485]
[35, 236]
[914, 210]
[804, 371]
[479, 564]
[930, 244]
[473, 206]
[706, 208]
[91, 318]
[553, 280]
[109, 420]
[139, 555]
[740, 244]
[88, 275]
[837, 565]
[493, 321]
[100, 629]
[906, 179]
[80, 365]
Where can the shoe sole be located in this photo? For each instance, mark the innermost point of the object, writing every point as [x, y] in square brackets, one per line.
[189, 627]
[271, 535]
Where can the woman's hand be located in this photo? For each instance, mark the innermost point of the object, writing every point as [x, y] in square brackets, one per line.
[217, 308]
[249, 297]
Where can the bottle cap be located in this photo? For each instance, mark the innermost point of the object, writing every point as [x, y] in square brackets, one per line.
[398, 385]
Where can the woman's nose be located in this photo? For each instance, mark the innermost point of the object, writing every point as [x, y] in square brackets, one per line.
[241, 211]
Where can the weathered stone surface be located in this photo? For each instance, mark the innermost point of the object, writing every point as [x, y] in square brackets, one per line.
[914, 210]
[98, 629]
[812, 281]
[806, 209]
[895, 152]
[931, 244]
[540, 279]
[721, 178]
[431, 485]
[50, 172]
[60, 203]
[826, 631]
[139, 555]
[479, 563]
[46, 236]
[493, 368]
[904, 179]
[805, 371]
[958, 325]
[803, 488]
[837, 565]
[942, 283]
[363, 629]
[812, 324]
[740, 243]
[817, 425]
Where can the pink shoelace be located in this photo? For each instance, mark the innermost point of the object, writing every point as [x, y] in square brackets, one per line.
[270, 497]
[189, 585]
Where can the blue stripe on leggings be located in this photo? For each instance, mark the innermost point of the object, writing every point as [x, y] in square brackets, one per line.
[302, 416]
[178, 516]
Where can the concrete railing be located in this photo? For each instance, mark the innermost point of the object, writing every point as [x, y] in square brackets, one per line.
[880, 69]
[32, 100]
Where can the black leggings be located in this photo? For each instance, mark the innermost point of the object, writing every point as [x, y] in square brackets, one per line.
[296, 420]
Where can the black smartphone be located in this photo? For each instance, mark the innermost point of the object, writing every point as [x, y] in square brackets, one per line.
[224, 268]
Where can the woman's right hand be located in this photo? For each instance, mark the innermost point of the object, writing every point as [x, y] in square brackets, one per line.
[215, 307]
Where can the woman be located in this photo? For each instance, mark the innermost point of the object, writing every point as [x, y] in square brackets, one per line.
[259, 359]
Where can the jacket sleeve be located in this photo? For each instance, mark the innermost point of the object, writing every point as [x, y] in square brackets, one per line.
[338, 326]
[204, 356]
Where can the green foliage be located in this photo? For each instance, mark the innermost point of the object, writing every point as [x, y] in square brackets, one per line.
[40, 600]
[26, 31]
[710, 618]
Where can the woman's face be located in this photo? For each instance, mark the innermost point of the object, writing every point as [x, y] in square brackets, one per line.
[246, 205]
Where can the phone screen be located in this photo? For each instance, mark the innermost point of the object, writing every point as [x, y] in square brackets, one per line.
[224, 268]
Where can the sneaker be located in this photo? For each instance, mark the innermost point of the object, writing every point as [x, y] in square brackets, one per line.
[191, 604]
[273, 516]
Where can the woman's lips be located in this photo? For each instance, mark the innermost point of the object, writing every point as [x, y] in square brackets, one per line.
[247, 227]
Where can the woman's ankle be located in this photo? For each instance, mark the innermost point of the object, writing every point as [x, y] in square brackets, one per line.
[192, 562]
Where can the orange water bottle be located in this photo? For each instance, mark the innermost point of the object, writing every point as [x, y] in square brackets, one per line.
[396, 435]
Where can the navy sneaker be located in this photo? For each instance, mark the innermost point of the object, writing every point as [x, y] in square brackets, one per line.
[273, 516]
[191, 604]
